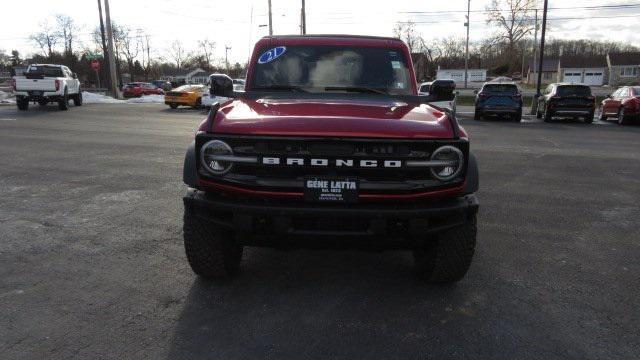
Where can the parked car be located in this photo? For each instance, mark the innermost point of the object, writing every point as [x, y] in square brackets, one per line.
[624, 104]
[441, 83]
[238, 84]
[138, 89]
[44, 83]
[496, 98]
[208, 97]
[340, 156]
[162, 84]
[566, 100]
[185, 95]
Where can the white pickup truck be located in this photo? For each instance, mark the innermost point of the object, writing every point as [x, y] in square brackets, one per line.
[45, 83]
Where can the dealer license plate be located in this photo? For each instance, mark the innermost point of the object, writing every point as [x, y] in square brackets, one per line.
[331, 189]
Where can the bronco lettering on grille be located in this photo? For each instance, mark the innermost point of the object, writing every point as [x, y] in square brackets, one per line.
[321, 162]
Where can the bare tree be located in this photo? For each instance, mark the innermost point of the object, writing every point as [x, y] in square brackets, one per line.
[46, 39]
[406, 31]
[207, 47]
[514, 21]
[127, 44]
[145, 42]
[66, 31]
[177, 53]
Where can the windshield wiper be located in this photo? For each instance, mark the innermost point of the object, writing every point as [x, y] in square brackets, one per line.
[291, 88]
[356, 89]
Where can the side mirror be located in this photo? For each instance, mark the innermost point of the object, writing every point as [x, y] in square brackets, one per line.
[608, 96]
[442, 90]
[221, 85]
[475, 91]
[74, 75]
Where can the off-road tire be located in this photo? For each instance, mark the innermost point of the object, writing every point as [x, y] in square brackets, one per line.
[448, 256]
[547, 115]
[77, 99]
[622, 118]
[211, 251]
[63, 103]
[22, 103]
[173, 106]
[589, 118]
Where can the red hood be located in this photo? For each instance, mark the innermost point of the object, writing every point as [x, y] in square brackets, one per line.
[385, 118]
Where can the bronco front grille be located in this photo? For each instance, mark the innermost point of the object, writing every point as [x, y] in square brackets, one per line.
[372, 179]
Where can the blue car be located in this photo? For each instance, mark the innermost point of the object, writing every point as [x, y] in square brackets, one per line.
[499, 99]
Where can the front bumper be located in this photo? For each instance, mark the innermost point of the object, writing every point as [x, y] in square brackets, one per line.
[300, 224]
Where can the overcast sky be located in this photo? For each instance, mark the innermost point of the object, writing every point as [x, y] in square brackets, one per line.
[231, 22]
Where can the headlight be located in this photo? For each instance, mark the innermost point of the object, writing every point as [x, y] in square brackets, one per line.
[210, 156]
[452, 161]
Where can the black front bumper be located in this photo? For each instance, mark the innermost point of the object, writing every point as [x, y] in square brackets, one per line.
[283, 223]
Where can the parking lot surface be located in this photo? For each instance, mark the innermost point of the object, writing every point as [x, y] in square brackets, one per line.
[92, 261]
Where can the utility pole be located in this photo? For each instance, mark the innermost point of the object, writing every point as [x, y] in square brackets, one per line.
[104, 45]
[270, 21]
[534, 61]
[303, 20]
[112, 60]
[226, 59]
[544, 28]
[466, 52]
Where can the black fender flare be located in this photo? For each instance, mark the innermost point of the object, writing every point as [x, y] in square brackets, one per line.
[189, 171]
[473, 176]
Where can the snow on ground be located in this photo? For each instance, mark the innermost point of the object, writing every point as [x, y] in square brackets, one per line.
[93, 98]
[147, 99]
[7, 98]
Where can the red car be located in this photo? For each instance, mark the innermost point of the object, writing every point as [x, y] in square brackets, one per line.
[624, 104]
[330, 145]
[137, 89]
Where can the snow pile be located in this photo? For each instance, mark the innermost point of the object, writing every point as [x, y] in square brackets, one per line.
[93, 98]
[7, 98]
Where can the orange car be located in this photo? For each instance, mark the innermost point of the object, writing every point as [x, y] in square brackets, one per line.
[187, 95]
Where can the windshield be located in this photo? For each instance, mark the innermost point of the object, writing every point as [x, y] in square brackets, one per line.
[636, 90]
[48, 71]
[574, 90]
[501, 88]
[332, 69]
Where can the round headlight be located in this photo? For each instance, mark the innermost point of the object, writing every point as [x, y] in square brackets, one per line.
[452, 161]
[210, 153]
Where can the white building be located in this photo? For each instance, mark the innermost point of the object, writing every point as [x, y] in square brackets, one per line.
[457, 75]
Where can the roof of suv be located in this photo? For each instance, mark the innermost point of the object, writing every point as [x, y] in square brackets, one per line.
[336, 39]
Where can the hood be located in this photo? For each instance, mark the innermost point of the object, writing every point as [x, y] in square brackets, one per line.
[378, 118]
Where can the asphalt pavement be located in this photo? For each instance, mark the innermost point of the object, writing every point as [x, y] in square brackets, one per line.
[92, 264]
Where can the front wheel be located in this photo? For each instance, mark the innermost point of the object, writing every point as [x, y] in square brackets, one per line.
[198, 103]
[173, 105]
[622, 117]
[212, 252]
[447, 257]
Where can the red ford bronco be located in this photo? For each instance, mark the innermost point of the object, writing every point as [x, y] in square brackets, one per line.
[330, 145]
